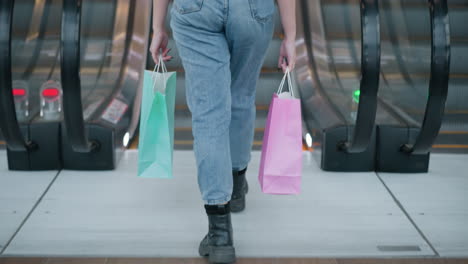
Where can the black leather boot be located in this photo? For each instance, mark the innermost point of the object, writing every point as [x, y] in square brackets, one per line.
[239, 191]
[217, 245]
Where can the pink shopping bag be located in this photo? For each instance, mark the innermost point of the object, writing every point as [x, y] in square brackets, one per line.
[281, 160]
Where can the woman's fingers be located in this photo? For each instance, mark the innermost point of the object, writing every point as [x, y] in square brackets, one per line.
[284, 62]
[280, 61]
[165, 56]
[155, 59]
[292, 65]
[166, 51]
[153, 51]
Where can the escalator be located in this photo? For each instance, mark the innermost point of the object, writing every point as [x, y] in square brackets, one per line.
[62, 51]
[415, 42]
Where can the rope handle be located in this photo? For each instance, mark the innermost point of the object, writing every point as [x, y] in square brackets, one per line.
[287, 76]
[160, 66]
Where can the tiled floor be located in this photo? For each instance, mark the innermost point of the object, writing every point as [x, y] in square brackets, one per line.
[437, 202]
[19, 192]
[116, 214]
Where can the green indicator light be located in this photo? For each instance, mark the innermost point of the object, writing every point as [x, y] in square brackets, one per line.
[356, 95]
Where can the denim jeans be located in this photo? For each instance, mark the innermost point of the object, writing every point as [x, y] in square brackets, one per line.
[222, 44]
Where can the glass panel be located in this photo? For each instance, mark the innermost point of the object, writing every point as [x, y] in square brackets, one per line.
[35, 52]
[406, 56]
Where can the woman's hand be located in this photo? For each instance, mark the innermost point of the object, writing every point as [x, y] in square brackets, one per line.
[159, 45]
[287, 55]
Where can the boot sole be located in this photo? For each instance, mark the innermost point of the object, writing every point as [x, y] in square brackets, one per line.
[224, 255]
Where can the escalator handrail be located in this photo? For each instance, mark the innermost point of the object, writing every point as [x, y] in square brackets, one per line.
[8, 121]
[438, 83]
[370, 73]
[70, 76]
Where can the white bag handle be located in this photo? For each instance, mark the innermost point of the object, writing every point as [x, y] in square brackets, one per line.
[287, 75]
[160, 66]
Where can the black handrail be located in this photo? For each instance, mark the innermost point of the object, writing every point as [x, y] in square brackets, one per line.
[438, 84]
[370, 72]
[8, 121]
[70, 75]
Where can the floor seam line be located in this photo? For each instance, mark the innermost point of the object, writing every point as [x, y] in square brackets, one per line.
[400, 205]
[30, 213]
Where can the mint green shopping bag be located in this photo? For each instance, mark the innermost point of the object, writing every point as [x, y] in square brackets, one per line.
[156, 142]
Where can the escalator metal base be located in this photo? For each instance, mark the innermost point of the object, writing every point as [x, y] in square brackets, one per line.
[334, 159]
[103, 158]
[390, 158]
[46, 157]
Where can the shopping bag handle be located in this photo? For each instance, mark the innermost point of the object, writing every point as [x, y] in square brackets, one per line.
[160, 67]
[287, 75]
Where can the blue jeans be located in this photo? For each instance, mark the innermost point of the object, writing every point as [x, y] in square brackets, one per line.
[222, 44]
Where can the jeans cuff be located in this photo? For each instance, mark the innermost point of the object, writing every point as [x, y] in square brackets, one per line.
[238, 167]
[218, 201]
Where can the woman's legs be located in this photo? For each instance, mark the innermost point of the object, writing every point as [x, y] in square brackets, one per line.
[206, 35]
[204, 50]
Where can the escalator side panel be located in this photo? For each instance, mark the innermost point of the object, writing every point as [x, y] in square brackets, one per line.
[19, 159]
[390, 158]
[47, 154]
[109, 131]
[335, 160]
[101, 159]
[47, 136]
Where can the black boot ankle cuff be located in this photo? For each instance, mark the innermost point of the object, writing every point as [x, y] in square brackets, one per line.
[240, 172]
[218, 209]
[243, 171]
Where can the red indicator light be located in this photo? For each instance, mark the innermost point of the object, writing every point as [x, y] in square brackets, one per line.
[19, 92]
[50, 92]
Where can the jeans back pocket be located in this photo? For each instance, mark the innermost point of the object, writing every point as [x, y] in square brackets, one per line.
[188, 6]
[262, 10]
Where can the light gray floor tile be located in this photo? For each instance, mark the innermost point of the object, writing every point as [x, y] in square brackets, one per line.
[115, 213]
[19, 191]
[437, 201]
